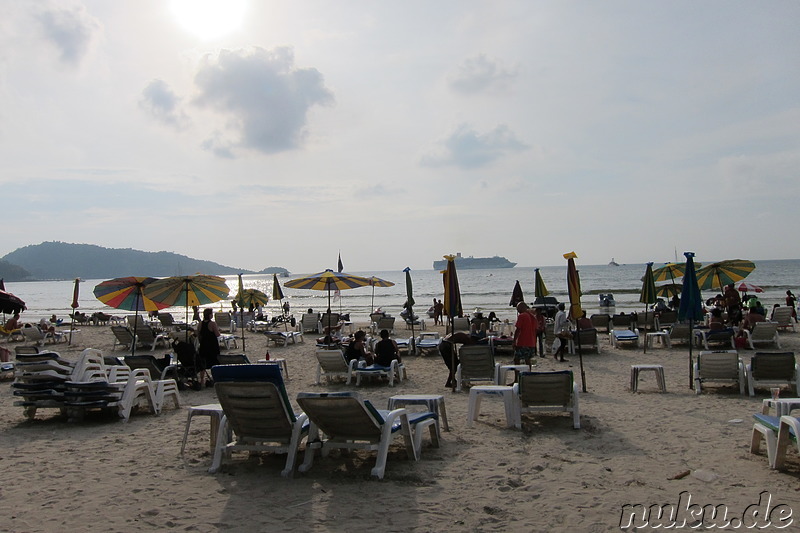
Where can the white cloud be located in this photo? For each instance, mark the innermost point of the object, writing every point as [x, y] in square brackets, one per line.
[264, 97]
[480, 73]
[71, 29]
[161, 102]
[467, 148]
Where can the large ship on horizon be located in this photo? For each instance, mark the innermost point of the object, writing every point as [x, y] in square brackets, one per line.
[476, 262]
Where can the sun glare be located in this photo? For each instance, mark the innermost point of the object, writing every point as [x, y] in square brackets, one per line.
[209, 19]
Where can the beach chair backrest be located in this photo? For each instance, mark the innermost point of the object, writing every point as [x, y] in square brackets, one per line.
[342, 414]
[233, 359]
[477, 362]
[773, 366]
[600, 321]
[254, 374]
[719, 365]
[546, 388]
[764, 331]
[332, 360]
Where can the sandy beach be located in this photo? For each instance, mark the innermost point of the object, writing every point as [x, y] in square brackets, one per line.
[633, 448]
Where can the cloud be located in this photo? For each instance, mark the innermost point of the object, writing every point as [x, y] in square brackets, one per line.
[466, 148]
[71, 30]
[479, 74]
[159, 101]
[265, 98]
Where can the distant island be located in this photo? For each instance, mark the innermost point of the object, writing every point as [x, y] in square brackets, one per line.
[476, 262]
[61, 260]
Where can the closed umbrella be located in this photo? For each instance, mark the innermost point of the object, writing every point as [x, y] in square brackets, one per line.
[575, 310]
[277, 294]
[74, 305]
[410, 306]
[718, 275]
[452, 303]
[126, 293]
[539, 289]
[648, 294]
[516, 295]
[691, 307]
[328, 281]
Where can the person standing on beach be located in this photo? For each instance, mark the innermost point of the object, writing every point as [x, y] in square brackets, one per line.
[208, 333]
[733, 303]
[541, 323]
[447, 348]
[791, 302]
[561, 329]
[524, 343]
[438, 311]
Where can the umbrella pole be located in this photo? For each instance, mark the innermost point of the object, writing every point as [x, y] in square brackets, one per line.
[691, 357]
[71, 327]
[241, 319]
[580, 358]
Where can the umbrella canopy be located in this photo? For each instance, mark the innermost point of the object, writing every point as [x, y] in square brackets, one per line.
[251, 297]
[648, 294]
[668, 290]
[670, 271]
[377, 282]
[516, 295]
[575, 310]
[10, 303]
[127, 294]
[749, 287]
[328, 281]
[198, 289]
[718, 275]
[691, 307]
[277, 292]
[539, 289]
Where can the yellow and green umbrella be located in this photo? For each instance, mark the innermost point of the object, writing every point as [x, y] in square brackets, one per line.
[328, 281]
[668, 290]
[186, 291]
[718, 275]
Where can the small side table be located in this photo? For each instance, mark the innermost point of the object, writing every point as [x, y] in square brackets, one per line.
[433, 402]
[783, 406]
[277, 361]
[662, 336]
[503, 370]
[213, 410]
[502, 391]
[659, 371]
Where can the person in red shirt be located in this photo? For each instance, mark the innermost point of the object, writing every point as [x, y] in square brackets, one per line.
[524, 335]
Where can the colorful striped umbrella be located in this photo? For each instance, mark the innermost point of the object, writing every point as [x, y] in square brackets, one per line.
[277, 292]
[749, 287]
[516, 295]
[718, 275]
[691, 307]
[127, 294]
[575, 310]
[199, 289]
[328, 281]
[648, 294]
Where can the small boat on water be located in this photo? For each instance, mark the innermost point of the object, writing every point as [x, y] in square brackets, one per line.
[607, 300]
[613, 263]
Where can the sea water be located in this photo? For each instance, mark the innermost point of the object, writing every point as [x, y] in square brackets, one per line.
[487, 289]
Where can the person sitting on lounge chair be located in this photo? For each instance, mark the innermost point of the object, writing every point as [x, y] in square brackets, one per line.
[386, 350]
[752, 318]
[357, 349]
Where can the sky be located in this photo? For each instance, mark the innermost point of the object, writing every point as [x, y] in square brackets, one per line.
[260, 133]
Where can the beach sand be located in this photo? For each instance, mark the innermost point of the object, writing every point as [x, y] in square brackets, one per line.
[633, 448]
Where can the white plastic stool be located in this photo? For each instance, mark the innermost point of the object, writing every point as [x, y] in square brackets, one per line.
[213, 410]
[478, 392]
[166, 388]
[433, 402]
[662, 336]
[658, 369]
[279, 361]
[501, 372]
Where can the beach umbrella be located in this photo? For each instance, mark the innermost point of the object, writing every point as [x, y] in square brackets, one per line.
[328, 281]
[452, 302]
[718, 275]
[575, 310]
[186, 291]
[10, 303]
[749, 287]
[691, 307]
[648, 294]
[539, 288]
[377, 282]
[516, 295]
[127, 294]
[668, 290]
[248, 298]
[410, 305]
[277, 294]
[74, 305]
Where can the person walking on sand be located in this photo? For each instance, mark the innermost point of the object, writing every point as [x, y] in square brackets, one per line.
[208, 334]
[524, 343]
[561, 329]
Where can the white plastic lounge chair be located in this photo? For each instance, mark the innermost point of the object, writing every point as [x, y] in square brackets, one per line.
[427, 341]
[34, 334]
[348, 421]
[666, 320]
[718, 367]
[779, 433]
[788, 432]
[332, 364]
[476, 363]
[772, 370]
[122, 337]
[601, 322]
[678, 334]
[546, 391]
[225, 322]
[588, 341]
[258, 412]
[157, 370]
[146, 336]
[283, 338]
[387, 323]
[763, 333]
[396, 371]
[308, 323]
[461, 324]
[624, 335]
[783, 316]
[723, 337]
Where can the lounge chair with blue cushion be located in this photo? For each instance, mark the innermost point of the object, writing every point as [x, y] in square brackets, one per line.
[779, 432]
[788, 431]
[345, 420]
[546, 391]
[257, 412]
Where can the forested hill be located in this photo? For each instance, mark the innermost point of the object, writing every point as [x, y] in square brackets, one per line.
[61, 260]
